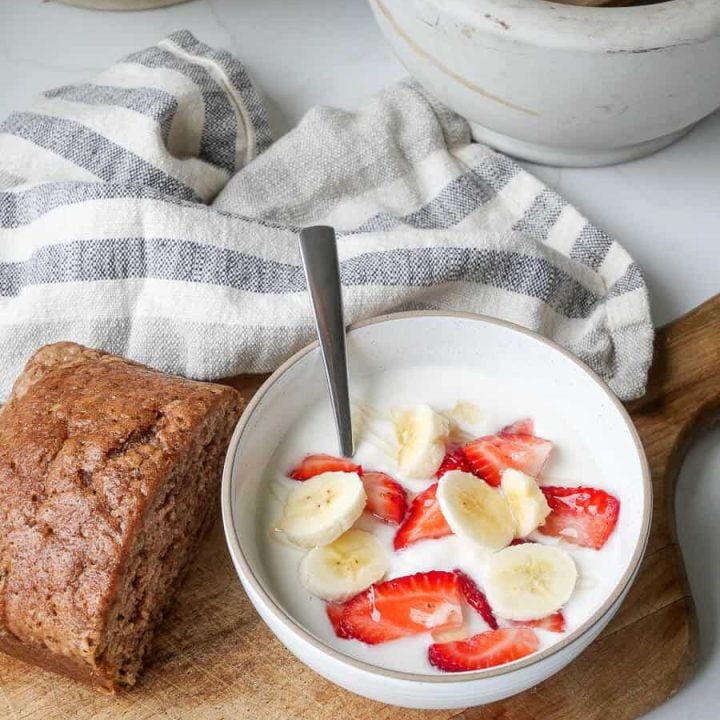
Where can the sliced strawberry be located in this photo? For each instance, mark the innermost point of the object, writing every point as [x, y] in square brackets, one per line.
[404, 606]
[385, 498]
[526, 426]
[486, 459]
[487, 649]
[453, 460]
[520, 541]
[476, 599]
[580, 515]
[335, 612]
[491, 454]
[553, 623]
[424, 521]
[526, 453]
[313, 465]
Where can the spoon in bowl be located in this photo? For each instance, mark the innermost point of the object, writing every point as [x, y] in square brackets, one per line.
[322, 272]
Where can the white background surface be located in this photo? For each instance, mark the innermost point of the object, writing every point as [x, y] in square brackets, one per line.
[665, 209]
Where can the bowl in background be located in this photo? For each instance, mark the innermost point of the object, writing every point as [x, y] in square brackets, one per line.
[563, 84]
[396, 342]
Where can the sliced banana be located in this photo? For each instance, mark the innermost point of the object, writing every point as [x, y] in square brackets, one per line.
[527, 502]
[421, 434]
[465, 412]
[352, 563]
[529, 581]
[475, 510]
[322, 508]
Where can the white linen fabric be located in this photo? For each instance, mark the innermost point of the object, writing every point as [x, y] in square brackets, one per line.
[149, 213]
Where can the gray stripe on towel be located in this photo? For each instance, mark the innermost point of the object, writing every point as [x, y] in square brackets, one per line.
[238, 76]
[591, 247]
[219, 133]
[183, 260]
[21, 207]
[164, 258]
[630, 280]
[90, 150]
[156, 104]
[459, 198]
[540, 217]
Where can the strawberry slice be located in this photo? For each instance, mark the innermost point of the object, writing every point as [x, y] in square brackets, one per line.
[453, 460]
[335, 612]
[487, 649]
[490, 455]
[407, 605]
[313, 465]
[486, 459]
[385, 498]
[582, 516]
[526, 453]
[425, 520]
[476, 599]
[526, 426]
[553, 623]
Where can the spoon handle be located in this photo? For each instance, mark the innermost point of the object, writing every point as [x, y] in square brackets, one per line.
[320, 260]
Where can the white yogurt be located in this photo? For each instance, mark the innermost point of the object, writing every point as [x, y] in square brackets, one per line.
[374, 398]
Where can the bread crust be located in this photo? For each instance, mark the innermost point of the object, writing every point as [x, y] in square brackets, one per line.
[88, 443]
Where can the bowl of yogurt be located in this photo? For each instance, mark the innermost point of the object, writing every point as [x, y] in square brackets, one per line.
[487, 529]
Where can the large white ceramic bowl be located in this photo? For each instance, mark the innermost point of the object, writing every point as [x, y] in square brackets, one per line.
[494, 349]
[562, 84]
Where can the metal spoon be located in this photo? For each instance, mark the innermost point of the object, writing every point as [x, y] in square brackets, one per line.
[320, 260]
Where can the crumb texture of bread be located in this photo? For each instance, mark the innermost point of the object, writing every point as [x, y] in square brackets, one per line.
[108, 479]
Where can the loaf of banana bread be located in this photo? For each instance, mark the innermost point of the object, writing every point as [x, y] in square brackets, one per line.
[109, 475]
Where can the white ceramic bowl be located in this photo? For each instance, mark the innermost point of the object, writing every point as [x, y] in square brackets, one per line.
[490, 347]
[562, 84]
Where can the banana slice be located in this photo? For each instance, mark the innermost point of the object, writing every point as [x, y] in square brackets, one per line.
[465, 412]
[475, 510]
[421, 434]
[529, 581]
[352, 563]
[528, 504]
[322, 508]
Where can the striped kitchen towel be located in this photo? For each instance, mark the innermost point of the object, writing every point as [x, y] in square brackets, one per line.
[148, 212]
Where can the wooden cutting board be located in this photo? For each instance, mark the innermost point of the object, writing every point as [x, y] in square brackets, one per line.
[214, 658]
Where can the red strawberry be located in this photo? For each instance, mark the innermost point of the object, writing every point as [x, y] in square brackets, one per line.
[404, 606]
[526, 453]
[526, 426]
[487, 649]
[491, 454]
[553, 623]
[454, 460]
[313, 465]
[476, 599]
[425, 520]
[335, 612]
[385, 498]
[486, 459]
[580, 515]
[520, 541]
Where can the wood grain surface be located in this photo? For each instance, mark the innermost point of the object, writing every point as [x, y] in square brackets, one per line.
[214, 658]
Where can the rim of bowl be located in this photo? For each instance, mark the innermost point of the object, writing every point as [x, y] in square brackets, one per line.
[301, 633]
[585, 28]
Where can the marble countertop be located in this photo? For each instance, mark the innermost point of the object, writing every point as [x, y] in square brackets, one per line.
[665, 209]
